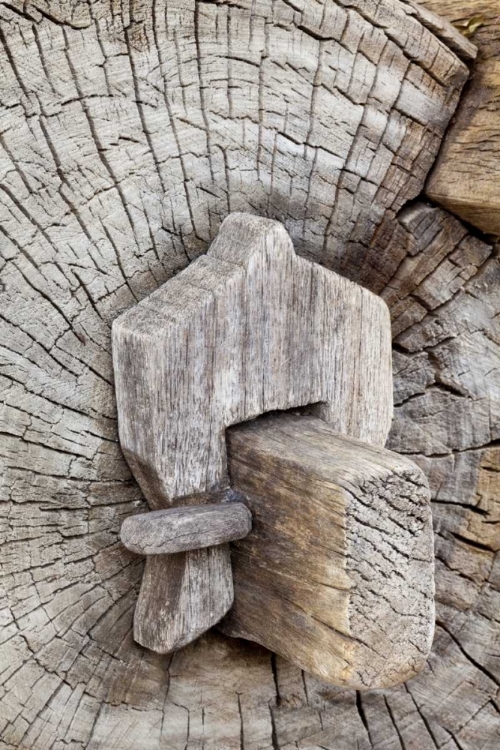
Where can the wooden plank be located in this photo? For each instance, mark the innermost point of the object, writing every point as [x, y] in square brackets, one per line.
[164, 532]
[466, 178]
[337, 573]
[246, 329]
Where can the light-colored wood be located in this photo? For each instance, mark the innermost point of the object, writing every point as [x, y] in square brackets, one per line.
[72, 675]
[466, 178]
[164, 532]
[337, 574]
[246, 329]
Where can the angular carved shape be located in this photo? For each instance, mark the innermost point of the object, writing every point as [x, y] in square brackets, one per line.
[182, 595]
[164, 532]
[337, 574]
[246, 329]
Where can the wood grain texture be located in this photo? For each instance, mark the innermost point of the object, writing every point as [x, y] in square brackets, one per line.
[248, 328]
[466, 178]
[337, 574]
[433, 15]
[87, 145]
[163, 532]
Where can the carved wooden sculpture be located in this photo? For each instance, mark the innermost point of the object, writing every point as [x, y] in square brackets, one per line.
[246, 329]
[127, 134]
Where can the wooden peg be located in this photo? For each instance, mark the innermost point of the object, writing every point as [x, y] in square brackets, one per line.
[337, 574]
[164, 532]
[246, 329]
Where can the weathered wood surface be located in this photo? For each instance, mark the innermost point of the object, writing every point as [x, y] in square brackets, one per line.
[434, 16]
[337, 574]
[182, 596]
[164, 532]
[466, 179]
[248, 328]
[82, 221]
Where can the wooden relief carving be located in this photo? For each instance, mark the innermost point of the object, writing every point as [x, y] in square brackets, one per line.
[246, 329]
[337, 574]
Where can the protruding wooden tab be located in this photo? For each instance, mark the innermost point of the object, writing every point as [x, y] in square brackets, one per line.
[194, 586]
[164, 532]
[337, 574]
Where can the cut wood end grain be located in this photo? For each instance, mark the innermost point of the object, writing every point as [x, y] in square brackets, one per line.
[93, 156]
[444, 30]
[337, 574]
[466, 177]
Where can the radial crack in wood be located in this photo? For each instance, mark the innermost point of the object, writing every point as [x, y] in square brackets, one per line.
[337, 574]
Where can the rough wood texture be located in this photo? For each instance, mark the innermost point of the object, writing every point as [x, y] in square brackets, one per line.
[248, 328]
[164, 532]
[439, 24]
[337, 574]
[81, 177]
[466, 178]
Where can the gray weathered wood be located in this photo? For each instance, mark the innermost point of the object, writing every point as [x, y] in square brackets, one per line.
[337, 574]
[163, 532]
[248, 328]
[466, 177]
[97, 212]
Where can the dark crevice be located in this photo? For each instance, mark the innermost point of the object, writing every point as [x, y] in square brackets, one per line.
[275, 678]
[472, 543]
[362, 715]
[394, 724]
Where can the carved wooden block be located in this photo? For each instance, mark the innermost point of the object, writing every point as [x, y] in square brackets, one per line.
[337, 574]
[246, 329]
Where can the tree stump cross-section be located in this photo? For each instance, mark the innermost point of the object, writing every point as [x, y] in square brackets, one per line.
[127, 135]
